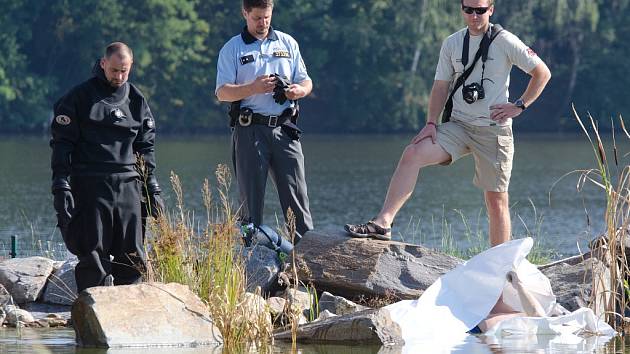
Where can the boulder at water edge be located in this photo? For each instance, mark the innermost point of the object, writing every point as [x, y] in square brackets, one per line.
[365, 327]
[263, 266]
[352, 267]
[143, 315]
[25, 278]
[572, 283]
[62, 286]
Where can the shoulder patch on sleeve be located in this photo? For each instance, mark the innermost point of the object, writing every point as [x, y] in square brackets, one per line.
[531, 52]
[63, 119]
[150, 123]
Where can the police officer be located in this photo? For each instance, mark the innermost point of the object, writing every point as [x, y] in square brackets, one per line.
[251, 66]
[102, 129]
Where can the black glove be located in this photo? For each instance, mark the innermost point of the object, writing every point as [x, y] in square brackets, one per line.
[63, 202]
[155, 203]
[282, 84]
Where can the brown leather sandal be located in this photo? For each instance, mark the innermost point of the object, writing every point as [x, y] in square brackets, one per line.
[369, 229]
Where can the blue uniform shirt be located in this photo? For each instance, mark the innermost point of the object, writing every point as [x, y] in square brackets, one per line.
[243, 58]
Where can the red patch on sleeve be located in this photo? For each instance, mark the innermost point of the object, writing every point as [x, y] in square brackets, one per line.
[531, 52]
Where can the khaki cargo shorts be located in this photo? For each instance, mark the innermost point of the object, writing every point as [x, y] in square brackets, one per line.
[492, 148]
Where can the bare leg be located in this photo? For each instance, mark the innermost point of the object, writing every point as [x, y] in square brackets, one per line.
[493, 319]
[531, 306]
[498, 207]
[501, 311]
[415, 156]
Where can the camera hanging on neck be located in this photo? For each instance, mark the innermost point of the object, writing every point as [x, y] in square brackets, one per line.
[488, 37]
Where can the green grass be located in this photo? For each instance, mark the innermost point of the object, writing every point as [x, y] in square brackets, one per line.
[474, 240]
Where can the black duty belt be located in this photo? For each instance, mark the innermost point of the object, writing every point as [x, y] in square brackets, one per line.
[245, 119]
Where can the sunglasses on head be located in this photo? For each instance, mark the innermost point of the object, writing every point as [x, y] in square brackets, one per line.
[478, 10]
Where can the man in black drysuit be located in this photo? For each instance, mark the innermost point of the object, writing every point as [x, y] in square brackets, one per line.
[101, 130]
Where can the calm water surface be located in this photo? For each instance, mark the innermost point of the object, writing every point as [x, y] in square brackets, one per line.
[62, 342]
[347, 181]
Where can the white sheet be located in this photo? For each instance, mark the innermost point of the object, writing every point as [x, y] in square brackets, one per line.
[460, 299]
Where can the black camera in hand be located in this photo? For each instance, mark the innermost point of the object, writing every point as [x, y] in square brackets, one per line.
[473, 92]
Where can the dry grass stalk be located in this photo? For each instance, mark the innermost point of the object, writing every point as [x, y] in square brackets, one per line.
[207, 257]
[617, 218]
[294, 312]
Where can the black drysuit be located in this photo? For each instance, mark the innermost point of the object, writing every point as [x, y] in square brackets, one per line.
[98, 133]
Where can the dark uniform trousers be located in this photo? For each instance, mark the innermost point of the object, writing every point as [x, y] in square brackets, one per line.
[258, 149]
[106, 221]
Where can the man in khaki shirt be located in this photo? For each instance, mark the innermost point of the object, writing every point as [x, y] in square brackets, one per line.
[482, 128]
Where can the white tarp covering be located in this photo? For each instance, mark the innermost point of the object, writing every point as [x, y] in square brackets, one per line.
[463, 297]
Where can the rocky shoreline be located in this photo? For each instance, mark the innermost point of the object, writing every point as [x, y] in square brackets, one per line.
[346, 282]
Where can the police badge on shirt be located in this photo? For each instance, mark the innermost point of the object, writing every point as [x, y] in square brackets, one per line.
[281, 53]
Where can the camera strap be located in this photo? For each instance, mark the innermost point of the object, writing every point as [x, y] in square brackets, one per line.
[482, 52]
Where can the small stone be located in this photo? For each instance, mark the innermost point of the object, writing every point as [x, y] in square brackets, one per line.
[324, 315]
[58, 322]
[276, 305]
[299, 298]
[338, 305]
[17, 316]
[42, 322]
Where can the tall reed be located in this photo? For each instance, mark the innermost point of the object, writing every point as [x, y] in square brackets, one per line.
[613, 179]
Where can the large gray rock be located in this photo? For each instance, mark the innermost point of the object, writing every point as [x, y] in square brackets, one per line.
[365, 327]
[25, 278]
[572, 282]
[150, 314]
[62, 286]
[352, 267]
[262, 267]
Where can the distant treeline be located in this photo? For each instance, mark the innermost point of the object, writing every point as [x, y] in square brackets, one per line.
[372, 61]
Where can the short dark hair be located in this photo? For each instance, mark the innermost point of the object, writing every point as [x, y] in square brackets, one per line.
[490, 2]
[119, 48]
[262, 4]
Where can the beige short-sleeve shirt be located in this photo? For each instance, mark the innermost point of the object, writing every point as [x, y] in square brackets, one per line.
[506, 50]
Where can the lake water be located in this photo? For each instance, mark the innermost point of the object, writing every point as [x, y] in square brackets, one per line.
[347, 179]
[62, 342]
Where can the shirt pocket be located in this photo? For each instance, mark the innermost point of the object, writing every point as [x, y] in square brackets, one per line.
[458, 67]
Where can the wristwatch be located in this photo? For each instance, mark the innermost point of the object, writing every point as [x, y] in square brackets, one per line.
[520, 104]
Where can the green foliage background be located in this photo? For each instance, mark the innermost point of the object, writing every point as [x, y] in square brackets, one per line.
[372, 61]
